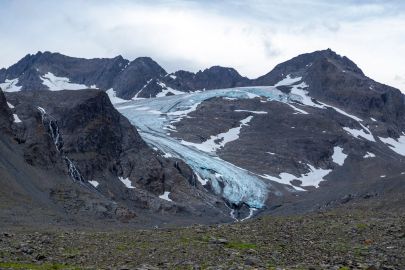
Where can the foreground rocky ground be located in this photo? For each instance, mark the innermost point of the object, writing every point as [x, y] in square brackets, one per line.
[338, 239]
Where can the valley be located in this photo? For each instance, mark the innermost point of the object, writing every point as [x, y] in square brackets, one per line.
[211, 164]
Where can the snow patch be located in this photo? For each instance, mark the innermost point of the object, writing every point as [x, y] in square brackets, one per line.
[396, 145]
[94, 183]
[201, 180]
[126, 182]
[255, 112]
[369, 155]
[297, 109]
[338, 156]
[113, 96]
[55, 83]
[218, 141]
[16, 118]
[10, 105]
[312, 178]
[288, 80]
[298, 94]
[359, 133]
[165, 196]
[10, 85]
[345, 113]
[166, 90]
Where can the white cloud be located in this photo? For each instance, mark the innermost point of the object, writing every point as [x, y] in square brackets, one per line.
[400, 81]
[251, 36]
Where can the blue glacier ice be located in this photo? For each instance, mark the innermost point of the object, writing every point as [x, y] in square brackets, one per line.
[153, 118]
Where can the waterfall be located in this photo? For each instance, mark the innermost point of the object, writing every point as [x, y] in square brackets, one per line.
[52, 128]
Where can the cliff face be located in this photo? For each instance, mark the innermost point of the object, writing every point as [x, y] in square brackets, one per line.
[79, 137]
[6, 117]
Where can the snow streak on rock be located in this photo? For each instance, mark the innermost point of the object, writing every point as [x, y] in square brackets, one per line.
[396, 145]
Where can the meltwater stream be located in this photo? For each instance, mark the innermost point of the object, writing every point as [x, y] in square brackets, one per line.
[153, 118]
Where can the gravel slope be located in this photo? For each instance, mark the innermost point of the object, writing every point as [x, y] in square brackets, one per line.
[341, 239]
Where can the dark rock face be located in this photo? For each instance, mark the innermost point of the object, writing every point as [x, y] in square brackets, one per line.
[79, 134]
[299, 64]
[142, 77]
[100, 72]
[5, 114]
[215, 77]
[136, 75]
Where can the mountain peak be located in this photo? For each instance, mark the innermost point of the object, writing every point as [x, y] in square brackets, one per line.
[303, 64]
[147, 63]
[220, 69]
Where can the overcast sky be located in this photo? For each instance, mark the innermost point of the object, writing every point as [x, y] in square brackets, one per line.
[251, 36]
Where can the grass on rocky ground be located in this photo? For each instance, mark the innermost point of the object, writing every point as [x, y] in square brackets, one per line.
[333, 240]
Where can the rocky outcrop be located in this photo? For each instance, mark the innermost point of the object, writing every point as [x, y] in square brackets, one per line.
[5, 114]
[215, 77]
[136, 76]
[79, 135]
[98, 71]
[142, 77]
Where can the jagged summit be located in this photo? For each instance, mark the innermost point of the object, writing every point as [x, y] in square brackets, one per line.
[314, 123]
[143, 77]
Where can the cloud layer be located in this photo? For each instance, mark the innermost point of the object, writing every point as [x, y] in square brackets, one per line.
[251, 36]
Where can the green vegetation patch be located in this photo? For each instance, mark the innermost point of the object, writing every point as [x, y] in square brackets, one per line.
[241, 245]
[31, 266]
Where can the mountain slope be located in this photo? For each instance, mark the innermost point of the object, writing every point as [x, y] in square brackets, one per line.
[140, 78]
[81, 160]
[316, 136]
[313, 133]
[338, 81]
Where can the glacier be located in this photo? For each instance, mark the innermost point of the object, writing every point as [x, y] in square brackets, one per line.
[154, 118]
